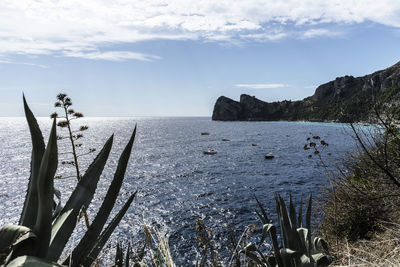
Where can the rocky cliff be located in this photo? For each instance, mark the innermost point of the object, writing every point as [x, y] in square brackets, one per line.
[346, 99]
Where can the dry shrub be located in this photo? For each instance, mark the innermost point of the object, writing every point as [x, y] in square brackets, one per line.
[383, 249]
[361, 216]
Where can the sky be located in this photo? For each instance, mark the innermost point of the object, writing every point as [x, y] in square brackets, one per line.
[176, 57]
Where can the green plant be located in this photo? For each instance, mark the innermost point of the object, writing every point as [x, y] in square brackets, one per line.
[119, 256]
[73, 135]
[296, 248]
[40, 238]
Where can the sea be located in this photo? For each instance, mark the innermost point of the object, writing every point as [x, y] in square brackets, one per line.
[176, 182]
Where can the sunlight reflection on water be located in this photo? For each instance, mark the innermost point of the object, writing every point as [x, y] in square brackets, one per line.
[176, 182]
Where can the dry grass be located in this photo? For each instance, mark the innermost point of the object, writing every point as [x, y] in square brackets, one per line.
[383, 249]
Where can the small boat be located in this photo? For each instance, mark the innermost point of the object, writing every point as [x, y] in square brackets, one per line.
[269, 156]
[205, 133]
[210, 152]
[253, 144]
[224, 139]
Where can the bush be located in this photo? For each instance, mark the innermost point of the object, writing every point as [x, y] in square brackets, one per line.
[363, 201]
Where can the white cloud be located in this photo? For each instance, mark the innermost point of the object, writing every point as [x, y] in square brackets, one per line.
[6, 61]
[261, 85]
[59, 27]
[112, 55]
[313, 33]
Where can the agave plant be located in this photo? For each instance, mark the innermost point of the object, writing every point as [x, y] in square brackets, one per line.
[120, 261]
[296, 248]
[43, 230]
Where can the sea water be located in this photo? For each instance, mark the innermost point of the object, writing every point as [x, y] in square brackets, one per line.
[176, 182]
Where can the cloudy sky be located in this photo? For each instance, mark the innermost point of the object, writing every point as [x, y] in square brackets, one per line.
[175, 57]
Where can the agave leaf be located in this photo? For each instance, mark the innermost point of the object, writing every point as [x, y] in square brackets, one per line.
[45, 185]
[264, 218]
[28, 215]
[105, 235]
[60, 221]
[289, 252]
[118, 256]
[321, 243]
[264, 234]
[321, 259]
[16, 237]
[303, 234]
[280, 219]
[292, 213]
[308, 222]
[30, 261]
[291, 234]
[285, 224]
[86, 244]
[271, 261]
[79, 199]
[305, 261]
[287, 256]
[260, 216]
[128, 251]
[57, 205]
[10, 234]
[250, 247]
[300, 218]
[272, 233]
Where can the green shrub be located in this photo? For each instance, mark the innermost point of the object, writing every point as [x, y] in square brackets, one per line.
[296, 249]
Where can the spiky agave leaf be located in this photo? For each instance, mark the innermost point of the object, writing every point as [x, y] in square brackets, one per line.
[79, 199]
[86, 244]
[263, 216]
[105, 235]
[127, 258]
[45, 187]
[300, 218]
[292, 213]
[57, 205]
[284, 222]
[14, 236]
[303, 234]
[270, 228]
[28, 215]
[308, 222]
[118, 256]
[30, 261]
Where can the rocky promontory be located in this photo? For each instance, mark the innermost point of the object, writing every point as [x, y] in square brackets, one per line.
[345, 99]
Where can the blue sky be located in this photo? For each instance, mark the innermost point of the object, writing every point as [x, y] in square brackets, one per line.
[175, 58]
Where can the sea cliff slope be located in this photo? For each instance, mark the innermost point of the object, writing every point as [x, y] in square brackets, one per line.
[345, 99]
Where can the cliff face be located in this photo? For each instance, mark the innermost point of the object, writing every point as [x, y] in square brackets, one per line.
[226, 109]
[345, 99]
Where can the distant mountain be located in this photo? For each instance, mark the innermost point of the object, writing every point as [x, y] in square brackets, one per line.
[346, 99]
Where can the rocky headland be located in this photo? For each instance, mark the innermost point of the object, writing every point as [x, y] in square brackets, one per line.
[345, 99]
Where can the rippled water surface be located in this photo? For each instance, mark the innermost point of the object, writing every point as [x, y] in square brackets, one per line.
[177, 183]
